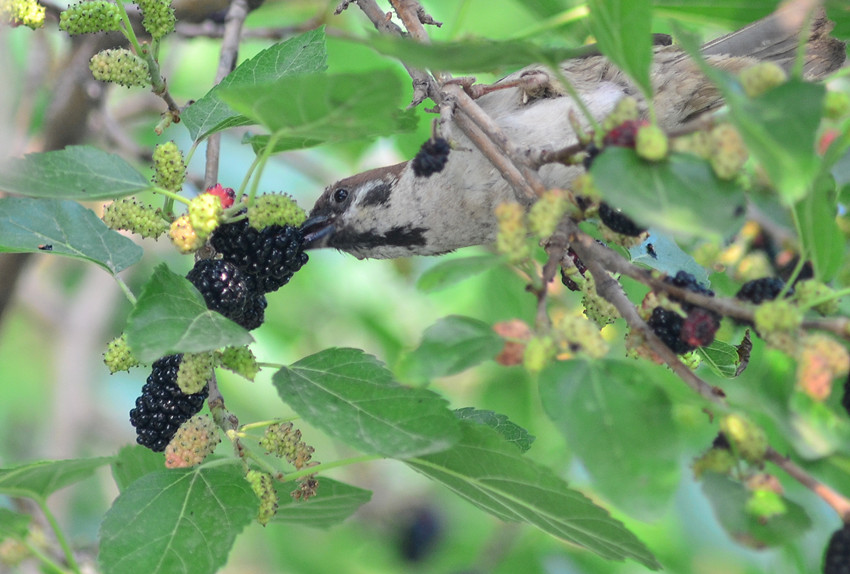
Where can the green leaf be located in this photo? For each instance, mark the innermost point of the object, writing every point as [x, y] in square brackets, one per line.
[666, 256]
[170, 316]
[176, 522]
[314, 108]
[819, 232]
[304, 54]
[494, 476]
[63, 228]
[722, 358]
[511, 432]
[623, 31]
[334, 502]
[728, 499]
[39, 480]
[134, 462]
[451, 345]
[351, 396]
[476, 55]
[13, 524]
[76, 172]
[783, 143]
[681, 196]
[611, 415]
[449, 272]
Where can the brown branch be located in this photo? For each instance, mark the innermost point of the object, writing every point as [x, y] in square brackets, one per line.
[839, 503]
[236, 14]
[531, 186]
[424, 85]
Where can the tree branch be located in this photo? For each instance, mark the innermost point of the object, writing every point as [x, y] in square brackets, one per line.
[839, 503]
[236, 14]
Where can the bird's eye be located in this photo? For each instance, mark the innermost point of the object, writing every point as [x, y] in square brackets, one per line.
[340, 195]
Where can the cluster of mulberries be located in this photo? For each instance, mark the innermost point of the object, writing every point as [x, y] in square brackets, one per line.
[163, 407]
[431, 158]
[684, 334]
[269, 256]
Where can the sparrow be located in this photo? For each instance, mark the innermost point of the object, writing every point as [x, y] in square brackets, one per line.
[393, 212]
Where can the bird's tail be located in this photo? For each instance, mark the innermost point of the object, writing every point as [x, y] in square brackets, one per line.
[776, 38]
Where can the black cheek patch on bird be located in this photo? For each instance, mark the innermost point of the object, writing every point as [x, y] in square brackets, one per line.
[378, 195]
[401, 236]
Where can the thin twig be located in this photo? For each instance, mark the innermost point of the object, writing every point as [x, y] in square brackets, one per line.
[424, 85]
[839, 503]
[233, 21]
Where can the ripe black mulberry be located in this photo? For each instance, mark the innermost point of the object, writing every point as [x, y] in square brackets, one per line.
[271, 256]
[229, 291]
[836, 560]
[759, 290]
[431, 158]
[162, 406]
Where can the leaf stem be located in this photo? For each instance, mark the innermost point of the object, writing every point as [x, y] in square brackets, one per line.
[171, 195]
[261, 424]
[60, 536]
[46, 560]
[324, 466]
[126, 289]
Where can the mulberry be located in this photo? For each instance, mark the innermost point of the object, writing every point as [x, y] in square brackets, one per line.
[616, 221]
[431, 158]
[270, 256]
[760, 290]
[229, 291]
[163, 407]
[837, 557]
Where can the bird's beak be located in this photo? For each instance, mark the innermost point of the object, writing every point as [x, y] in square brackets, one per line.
[317, 230]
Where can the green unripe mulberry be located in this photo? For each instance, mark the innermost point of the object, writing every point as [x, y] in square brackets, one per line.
[196, 370]
[262, 485]
[168, 165]
[836, 105]
[120, 66]
[728, 152]
[27, 13]
[275, 209]
[539, 352]
[761, 78]
[547, 212]
[240, 360]
[90, 17]
[139, 218]
[205, 213]
[157, 17]
[511, 239]
[748, 439]
[118, 356]
[651, 143]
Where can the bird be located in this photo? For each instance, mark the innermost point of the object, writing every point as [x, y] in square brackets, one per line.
[391, 211]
